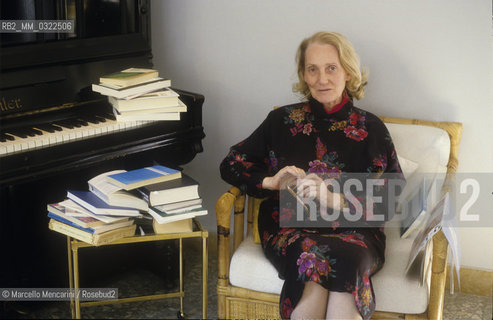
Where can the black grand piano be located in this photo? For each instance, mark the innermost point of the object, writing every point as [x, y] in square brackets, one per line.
[55, 133]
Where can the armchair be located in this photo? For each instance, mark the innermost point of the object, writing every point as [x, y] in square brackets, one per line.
[256, 296]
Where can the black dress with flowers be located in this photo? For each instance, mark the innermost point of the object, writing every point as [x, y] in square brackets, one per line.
[305, 135]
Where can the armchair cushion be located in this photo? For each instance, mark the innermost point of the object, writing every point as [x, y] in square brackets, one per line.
[250, 269]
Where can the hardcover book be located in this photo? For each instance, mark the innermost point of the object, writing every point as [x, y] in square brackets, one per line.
[163, 217]
[183, 189]
[93, 203]
[94, 239]
[129, 77]
[144, 176]
[181, 204]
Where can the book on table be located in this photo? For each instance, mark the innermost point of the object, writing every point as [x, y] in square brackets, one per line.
[76, 210]
[93, 203]
[128, 77]
[95, 229]
[177, 190]
[165, 217]
[144, 176]
[153, 100]
[181, 204]
[91, 238]
[131, 91]
[184, 225]
[80, 219]
[112, 194]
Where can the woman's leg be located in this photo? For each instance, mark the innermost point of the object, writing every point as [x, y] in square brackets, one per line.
[341, 306]
[313, 302]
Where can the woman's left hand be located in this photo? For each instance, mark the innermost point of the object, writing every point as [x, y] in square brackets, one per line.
[312, 186]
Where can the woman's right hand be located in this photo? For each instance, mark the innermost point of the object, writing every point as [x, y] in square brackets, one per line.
[288, 172]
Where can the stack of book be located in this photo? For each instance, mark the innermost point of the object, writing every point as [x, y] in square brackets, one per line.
[140, 94]
[71, 219]
[172, 200]
[173, 204]
[115, 199]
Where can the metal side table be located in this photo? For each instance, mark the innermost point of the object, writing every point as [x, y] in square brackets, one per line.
[74, 245]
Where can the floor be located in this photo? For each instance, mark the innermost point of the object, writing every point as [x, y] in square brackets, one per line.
[139, 280]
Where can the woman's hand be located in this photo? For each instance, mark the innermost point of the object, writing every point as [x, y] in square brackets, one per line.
[280, 178]
[312, 186]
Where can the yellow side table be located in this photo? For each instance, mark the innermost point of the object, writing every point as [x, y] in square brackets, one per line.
[73, 245]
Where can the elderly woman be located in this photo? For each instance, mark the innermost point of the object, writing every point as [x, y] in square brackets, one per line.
[327, 271]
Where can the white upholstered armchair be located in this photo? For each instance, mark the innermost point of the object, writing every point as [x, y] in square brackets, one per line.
[255, 294]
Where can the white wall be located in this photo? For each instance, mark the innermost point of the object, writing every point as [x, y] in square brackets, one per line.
[427, 60]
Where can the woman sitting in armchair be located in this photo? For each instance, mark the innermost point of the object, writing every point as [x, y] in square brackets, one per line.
[327, 271]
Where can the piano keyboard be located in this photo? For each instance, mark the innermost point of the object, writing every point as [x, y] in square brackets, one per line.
[58, 132]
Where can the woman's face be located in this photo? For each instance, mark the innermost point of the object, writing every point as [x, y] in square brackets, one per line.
[324, 74]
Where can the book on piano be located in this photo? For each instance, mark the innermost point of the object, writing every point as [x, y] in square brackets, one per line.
[162, 99]
[146, 116]
[131, 91]
[129, 77]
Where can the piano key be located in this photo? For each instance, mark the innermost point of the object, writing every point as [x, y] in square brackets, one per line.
[6, 147]
[47, 127]
[8, 136]
[37, 132]
[17, 133]
[64, 124]
[3, 137]
[63, 131]
[91, 119]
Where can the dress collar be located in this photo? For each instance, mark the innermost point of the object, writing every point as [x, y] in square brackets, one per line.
[339, 111]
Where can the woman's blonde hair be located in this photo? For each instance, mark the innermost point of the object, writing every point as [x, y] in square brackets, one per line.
[355, 86]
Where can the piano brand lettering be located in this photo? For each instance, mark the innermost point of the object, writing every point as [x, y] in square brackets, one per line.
[11, 104]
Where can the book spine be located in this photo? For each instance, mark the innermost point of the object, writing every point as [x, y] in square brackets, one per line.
[110, 236]
[98, 193]
[69, 222]
[71, 231]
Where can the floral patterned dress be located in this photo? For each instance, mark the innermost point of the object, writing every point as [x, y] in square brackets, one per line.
[348, 139]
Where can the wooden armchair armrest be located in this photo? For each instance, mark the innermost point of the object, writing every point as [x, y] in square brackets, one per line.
[224, 205]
